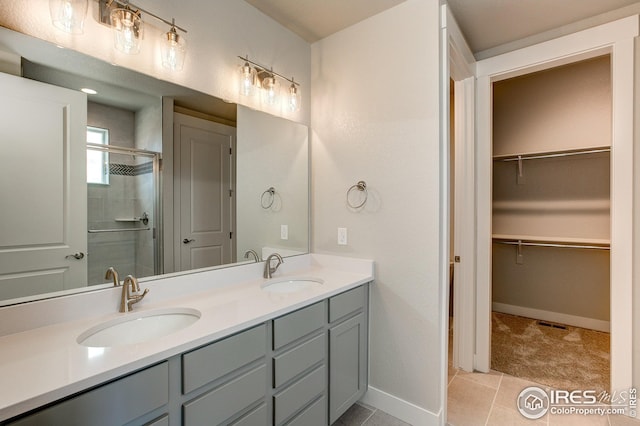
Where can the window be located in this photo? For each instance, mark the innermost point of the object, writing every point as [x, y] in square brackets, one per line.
[97, 161]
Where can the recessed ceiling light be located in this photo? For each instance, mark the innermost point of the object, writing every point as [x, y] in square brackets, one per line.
[88, 91]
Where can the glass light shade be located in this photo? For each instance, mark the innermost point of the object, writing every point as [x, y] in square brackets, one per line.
[127, 30]
[293, 98]
[68, 15]
[173, 50]
[247, 76]
[270, 90]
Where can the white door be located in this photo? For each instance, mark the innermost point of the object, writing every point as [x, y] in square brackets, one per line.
[203, 159]
[462, 219]
[43, 188]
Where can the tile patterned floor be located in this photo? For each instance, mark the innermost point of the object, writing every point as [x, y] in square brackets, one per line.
[477, 399]
[363, 415]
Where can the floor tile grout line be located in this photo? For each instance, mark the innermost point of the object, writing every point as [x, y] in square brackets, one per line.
[495, 396]
[370, 415]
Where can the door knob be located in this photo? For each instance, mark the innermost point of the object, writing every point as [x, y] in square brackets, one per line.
[187, 240]
[78, 256]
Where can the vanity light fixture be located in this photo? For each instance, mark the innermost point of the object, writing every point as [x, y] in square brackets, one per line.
[68, 15]
[125, 18]
[248, 79]
[173, 49]
[128, 29]
[254, 76]
[293, 97]
[270, 90]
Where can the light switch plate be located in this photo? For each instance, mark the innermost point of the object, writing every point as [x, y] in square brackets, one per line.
[284, 232]
[342, 236]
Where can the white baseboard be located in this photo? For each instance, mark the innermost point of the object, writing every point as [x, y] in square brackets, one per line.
[576, 321]
[401, 409]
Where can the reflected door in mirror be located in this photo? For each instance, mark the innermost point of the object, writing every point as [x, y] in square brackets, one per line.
[203, 151]
[43, 226]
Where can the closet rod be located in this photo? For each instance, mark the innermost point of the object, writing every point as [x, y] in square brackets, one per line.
[553, 155]
[561, 245]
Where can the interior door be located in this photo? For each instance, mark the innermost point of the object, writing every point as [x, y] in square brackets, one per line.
[203, 159]
[43, 226]
[461, 67]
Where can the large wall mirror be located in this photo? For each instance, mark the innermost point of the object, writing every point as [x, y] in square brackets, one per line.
[145, 176]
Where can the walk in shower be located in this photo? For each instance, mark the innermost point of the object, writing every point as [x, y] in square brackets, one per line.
[122, 208]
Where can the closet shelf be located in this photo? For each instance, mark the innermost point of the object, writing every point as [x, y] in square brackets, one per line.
[552, 154]
[549, 206]
[547, 241]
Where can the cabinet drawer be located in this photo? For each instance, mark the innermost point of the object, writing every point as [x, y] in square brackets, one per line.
[346, 303]
[298, 394]
[211, 362]
[116, 403]
[222, 403]
[314, 415]
[257, 417]
[293, 362]
[297, 324]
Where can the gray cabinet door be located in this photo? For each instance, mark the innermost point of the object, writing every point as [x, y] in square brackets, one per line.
[116, 403]
[347, 365]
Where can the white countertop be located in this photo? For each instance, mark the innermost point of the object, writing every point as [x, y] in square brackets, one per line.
[44, 364]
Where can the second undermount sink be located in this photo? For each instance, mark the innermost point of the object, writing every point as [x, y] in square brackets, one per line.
[290, 284]
[138, 327]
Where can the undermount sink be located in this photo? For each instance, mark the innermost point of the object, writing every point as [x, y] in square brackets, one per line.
[290, 284]
[138, 327]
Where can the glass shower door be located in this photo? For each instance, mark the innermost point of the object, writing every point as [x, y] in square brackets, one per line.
[122, 206]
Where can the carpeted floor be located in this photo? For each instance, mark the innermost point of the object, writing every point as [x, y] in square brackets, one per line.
[575, 358]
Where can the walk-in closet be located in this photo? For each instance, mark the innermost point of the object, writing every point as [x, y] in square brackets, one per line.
[551, 225]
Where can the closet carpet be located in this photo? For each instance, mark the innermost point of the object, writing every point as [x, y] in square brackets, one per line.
[575, 358]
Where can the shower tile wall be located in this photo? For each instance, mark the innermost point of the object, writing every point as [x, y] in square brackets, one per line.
[116, 200]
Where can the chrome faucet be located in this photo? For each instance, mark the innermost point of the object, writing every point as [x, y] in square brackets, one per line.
[112, 274]
[268, 270]
[130, 293]
[253, 253]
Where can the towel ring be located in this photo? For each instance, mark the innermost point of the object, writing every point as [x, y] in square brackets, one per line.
[270, 198]
[360, 186]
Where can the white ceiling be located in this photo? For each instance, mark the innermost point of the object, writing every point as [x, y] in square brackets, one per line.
[485, 23]
[316, 19]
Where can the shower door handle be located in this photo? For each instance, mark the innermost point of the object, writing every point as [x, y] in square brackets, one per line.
[78, 256]
[187, 240]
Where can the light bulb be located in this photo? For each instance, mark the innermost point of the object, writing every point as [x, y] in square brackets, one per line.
[68, 15]
[247, 79]
[270, 90]
[127, 30]
[173, 50]
[294, 99]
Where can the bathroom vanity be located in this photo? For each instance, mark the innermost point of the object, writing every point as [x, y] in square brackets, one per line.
[255, 356]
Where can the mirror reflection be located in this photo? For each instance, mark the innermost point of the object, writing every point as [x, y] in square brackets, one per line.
[144, 176]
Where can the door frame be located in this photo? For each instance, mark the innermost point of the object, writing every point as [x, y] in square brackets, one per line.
[457, 64]
[617, 39]
[462, 73]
